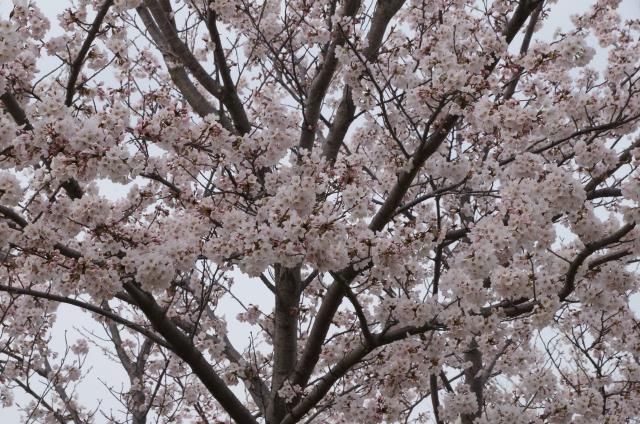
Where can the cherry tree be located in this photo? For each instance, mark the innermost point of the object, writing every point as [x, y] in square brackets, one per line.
[435, 207]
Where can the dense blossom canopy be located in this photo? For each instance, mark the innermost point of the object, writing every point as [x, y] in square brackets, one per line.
[435, 207]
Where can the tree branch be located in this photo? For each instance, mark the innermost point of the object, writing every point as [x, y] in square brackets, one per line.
[86, 306]
[181, 52]
[382, 15]
[569, 282]
[321, 81]
[76, 66]
[324, 384]
[229, 90]
[184, 348]
[71, 186]
[285, 339]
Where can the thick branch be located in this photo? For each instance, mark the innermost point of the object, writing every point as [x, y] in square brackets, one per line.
[285, 340]
[343, 118]
[18, 219]
[135, 371]
[256, 387]
[435, 402]
[321, 324]
[86, 306]
[76, 66]
[15, 110]
[184, 348]
[324, 384]
[569, 282]
[473, 378]
[528, 35]
[321, 81]
[230, 93]
[181, 52]
[604, 192]
[519, 17]
[430, 146]
[335, 293]
[385, 10]
[179, 76]
[71, 186]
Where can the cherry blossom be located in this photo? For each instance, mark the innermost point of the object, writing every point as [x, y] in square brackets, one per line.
[329, 211]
